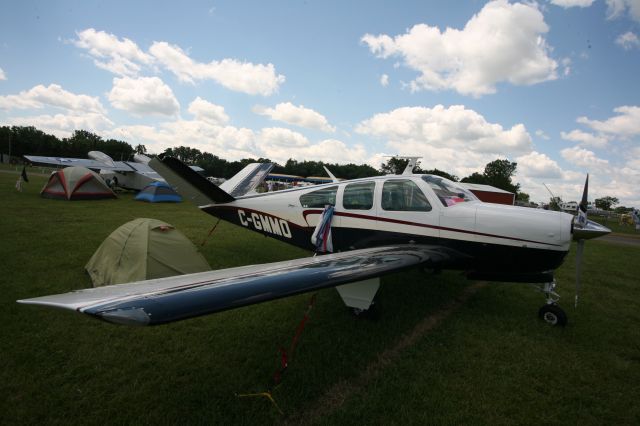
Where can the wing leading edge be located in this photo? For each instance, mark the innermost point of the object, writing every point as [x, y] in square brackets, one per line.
[171, 299]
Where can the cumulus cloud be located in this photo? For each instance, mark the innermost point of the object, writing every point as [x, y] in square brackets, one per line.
[51, 96]
[143, 96]
[3, 76]
[538, 165]
[583, 158]
[617, 9]
[624, 125]
[572, 3]
[206, 111]
[281, 144]
[119, 56]
[296, 115]
[63, 125]
[502, 43]
[245, 77]
[384, 80]
[541, 134]
[124, 58]
[452, 127]
[628, 41]
[585, 138]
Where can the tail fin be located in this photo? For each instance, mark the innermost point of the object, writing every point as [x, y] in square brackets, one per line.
[247, 179]
[188, 183]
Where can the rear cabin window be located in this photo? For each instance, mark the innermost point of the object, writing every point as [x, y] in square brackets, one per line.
[319, 198]
[358, 196]
[449, 193]
[404, 195]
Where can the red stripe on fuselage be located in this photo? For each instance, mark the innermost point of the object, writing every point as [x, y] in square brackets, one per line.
[422, 225]
[306, 213]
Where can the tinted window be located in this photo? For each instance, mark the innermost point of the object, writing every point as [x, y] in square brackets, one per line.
[358, 196]
[450, 193]
[319, 198]
[404, 195]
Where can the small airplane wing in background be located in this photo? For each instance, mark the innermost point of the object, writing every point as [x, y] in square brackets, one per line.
[171, 299]
[116, 166]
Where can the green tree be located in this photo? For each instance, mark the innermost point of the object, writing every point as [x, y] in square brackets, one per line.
[497, 173]
[140, 149]
[606, 203]
[522, 196]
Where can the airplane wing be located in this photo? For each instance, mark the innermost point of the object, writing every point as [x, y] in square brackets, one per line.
[118, 166]
[165, 300]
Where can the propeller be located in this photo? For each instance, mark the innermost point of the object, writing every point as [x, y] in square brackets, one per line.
[584, 229]
[581, 222]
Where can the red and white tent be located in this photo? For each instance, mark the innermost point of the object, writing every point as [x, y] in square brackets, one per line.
[76, 183]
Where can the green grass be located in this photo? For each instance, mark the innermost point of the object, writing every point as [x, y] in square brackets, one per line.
[491, 362]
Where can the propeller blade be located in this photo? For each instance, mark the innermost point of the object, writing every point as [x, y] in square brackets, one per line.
[579, 252]
[584, 229]
[582, 207]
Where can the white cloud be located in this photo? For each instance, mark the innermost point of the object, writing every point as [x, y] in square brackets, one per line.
[583, 158]
[628, 41]
[63, 125]
[122, 57]
[585, 138]
[541, 134]
[384, 80]
[143, 96]
[51, 96]
[502, 43]
[452, 127]
[280, 144]
[538, 165]
[617, 8]
[206, 111]
[3, 76]
[297, 116]
[245, 77]
[625, 125]
[572, 3]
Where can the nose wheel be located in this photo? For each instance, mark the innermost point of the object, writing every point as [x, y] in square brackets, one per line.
[551, 313]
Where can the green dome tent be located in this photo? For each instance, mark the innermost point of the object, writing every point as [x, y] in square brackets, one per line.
[144, 249]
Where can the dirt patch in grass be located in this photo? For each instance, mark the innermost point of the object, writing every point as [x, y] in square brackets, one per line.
[335, 397]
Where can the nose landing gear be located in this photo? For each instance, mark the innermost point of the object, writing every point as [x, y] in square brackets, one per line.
[551, 313]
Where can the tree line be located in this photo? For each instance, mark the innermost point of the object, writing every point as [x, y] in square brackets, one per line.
[17, 141]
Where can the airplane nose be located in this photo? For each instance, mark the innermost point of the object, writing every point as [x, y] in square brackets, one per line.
[590, 230]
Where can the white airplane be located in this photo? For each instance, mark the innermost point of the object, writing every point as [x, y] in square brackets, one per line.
[379, 225]
[134, 175]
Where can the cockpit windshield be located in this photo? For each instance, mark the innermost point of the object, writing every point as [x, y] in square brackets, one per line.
[449, 193]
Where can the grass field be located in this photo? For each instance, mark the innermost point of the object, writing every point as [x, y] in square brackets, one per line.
[441, 351]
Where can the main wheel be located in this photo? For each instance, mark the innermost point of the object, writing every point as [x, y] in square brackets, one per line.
[553, 315]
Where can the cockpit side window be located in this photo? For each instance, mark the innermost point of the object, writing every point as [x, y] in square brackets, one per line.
[404, 195]
[358, 196]
[449, 193]
[319, 198]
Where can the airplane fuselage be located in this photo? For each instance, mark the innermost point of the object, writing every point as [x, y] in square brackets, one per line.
[480, 238]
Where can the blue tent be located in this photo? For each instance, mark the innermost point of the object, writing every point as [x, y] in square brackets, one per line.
[158, 192]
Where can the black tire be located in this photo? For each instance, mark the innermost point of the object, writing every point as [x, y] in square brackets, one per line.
[553, 315]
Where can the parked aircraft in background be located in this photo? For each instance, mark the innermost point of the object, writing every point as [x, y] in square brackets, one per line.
[134, 175]
[375, 225]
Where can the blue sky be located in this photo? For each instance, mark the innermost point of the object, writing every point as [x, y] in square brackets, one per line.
[553, 85]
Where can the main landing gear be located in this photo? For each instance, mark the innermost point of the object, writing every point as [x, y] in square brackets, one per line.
[551, 313]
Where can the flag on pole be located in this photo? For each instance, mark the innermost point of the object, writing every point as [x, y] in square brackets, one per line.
[321, 237]
[24, 174]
